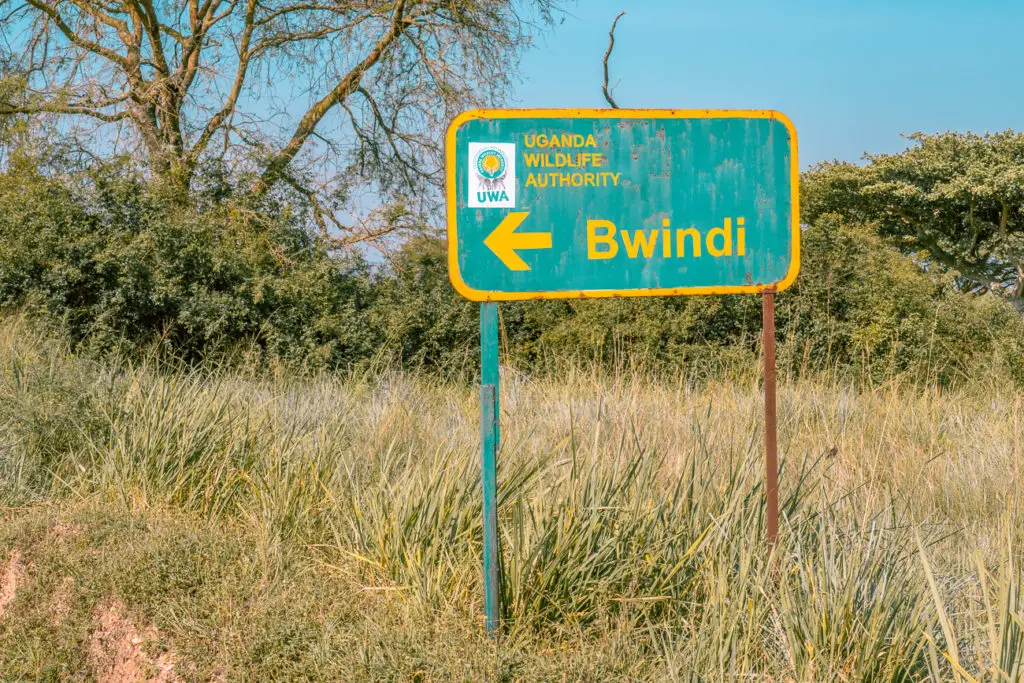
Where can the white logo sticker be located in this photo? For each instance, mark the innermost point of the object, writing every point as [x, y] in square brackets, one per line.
[492, 175]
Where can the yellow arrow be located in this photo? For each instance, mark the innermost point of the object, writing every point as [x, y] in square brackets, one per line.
[504, 240]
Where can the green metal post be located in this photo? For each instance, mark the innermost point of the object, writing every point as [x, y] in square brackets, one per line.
[490, 438]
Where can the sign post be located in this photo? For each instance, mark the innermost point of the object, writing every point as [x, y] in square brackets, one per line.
[771, 463]
[490, 439]
[592, 203]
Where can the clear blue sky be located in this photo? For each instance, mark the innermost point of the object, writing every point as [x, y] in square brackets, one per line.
[851, 74]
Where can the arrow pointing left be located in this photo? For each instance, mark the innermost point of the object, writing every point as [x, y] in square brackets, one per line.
[504, 240]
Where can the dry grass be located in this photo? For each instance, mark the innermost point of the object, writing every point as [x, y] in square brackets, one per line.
[335, 523]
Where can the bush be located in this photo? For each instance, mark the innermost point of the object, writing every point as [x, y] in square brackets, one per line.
[858, 307]
[119, 265]
[861, 303]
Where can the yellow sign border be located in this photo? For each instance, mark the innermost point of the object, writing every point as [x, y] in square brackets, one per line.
[483, 295]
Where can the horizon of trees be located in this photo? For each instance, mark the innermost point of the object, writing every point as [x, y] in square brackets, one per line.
[146, 199]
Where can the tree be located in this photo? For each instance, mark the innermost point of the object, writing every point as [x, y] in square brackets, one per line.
[860, 308]
[97, 254]
[185, 81]
[955, 198]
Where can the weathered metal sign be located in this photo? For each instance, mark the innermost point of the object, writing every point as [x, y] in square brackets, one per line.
[569, 203]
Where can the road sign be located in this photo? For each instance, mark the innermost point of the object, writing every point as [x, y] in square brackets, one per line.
[568, 203]
[571, 203]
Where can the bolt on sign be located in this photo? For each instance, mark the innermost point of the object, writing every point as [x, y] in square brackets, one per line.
[581, 203]
[596, 203]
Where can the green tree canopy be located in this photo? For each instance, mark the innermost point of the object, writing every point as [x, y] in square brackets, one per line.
[955, 198]
[115, 265]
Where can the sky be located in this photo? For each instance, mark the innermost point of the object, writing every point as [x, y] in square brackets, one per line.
[851, 74]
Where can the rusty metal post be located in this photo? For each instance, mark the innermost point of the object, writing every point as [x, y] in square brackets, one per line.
[771, 461]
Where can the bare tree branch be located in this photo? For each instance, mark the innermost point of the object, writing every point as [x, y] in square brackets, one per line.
[54, 108]
[73, 37]
[607, 54]
[340, 93]
[241, 71]
[360, 90]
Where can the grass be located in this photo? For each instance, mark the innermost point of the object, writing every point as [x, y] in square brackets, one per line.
[256, 527]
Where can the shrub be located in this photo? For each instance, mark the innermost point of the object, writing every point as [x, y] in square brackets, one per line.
[858, 307]
[119, 265]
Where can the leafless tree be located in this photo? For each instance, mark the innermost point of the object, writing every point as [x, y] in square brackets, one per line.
[275, 84]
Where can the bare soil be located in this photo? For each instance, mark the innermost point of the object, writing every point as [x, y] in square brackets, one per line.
[11, 575]
[117, 653]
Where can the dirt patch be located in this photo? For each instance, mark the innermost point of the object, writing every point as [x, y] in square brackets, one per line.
[116, 650]
[11, 575]
[62, 530]
[60, 603]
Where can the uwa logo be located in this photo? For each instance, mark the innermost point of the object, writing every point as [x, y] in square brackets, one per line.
[492, 175]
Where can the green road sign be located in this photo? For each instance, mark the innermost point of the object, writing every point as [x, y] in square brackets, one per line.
[594, 203]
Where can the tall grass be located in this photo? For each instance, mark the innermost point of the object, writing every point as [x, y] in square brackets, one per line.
[630, 510]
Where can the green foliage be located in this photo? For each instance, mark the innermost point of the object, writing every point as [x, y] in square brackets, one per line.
[858, 611]
[958, 197]
[860, 307]
[118, 263]
[859, 301]
[423, 322]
